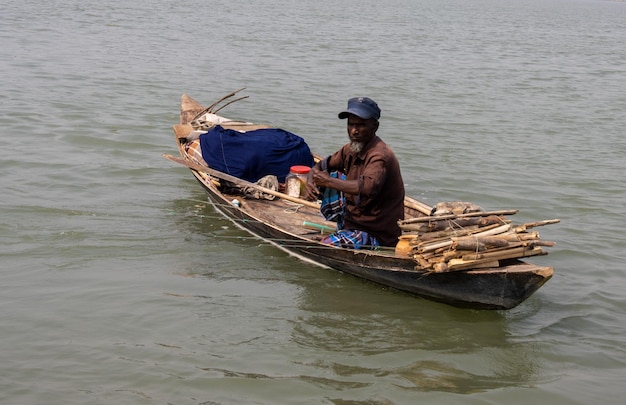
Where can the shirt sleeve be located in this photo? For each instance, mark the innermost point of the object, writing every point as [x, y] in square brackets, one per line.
[335, 162]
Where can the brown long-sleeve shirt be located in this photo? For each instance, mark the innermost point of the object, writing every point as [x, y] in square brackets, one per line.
[379, 204]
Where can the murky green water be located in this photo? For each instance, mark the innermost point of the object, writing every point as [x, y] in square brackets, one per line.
[121, 285]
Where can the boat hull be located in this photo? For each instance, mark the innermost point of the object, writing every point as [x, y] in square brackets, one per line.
[498, 288]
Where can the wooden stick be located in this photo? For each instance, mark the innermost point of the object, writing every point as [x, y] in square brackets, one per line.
[520, 251]
[475, 242]
[210, 108]
[418, 206]
[443, 267]
[238, 181]
[514, 237]
[462, 264]
[229, 103]
[546, 243]
[431, 236]
[323, 229]
[494, 241]
[453, 216]
[433, 246]
[439, 236]
[459, 223]
[524, 227]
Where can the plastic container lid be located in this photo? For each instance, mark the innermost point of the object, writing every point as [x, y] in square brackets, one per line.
[299, 169]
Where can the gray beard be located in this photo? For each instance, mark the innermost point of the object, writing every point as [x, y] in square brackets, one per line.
[356, 147]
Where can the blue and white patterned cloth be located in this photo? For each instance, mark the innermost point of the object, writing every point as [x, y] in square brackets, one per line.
[333, 204]
[352, 239]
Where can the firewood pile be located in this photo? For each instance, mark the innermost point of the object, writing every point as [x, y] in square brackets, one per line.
[462, 236]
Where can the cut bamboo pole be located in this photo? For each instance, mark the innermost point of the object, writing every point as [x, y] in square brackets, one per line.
[521, 251]
[424, 238]
[490, 232]
[461, 264]
[454, 216]
[524, 227]
[543, 243]
[444, 267]
[474, 242]
[418, 206]
[436, 225]
[513, 236]
[447, 233]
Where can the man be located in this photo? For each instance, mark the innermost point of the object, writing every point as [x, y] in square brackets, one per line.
[373, 186]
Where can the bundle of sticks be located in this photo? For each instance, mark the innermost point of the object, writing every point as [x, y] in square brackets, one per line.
[470, 238]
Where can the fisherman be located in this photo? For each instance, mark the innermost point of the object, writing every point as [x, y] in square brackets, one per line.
[365, 177]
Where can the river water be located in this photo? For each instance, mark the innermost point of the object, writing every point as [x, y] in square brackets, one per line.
[121, 285]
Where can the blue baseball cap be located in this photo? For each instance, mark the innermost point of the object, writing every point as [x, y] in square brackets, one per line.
[362, 107]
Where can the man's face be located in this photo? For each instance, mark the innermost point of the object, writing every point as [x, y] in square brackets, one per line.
[360, 132]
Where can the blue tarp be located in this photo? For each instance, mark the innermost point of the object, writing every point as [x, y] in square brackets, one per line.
[254, 154]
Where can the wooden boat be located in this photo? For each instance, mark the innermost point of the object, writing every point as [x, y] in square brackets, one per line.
[282, 222]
